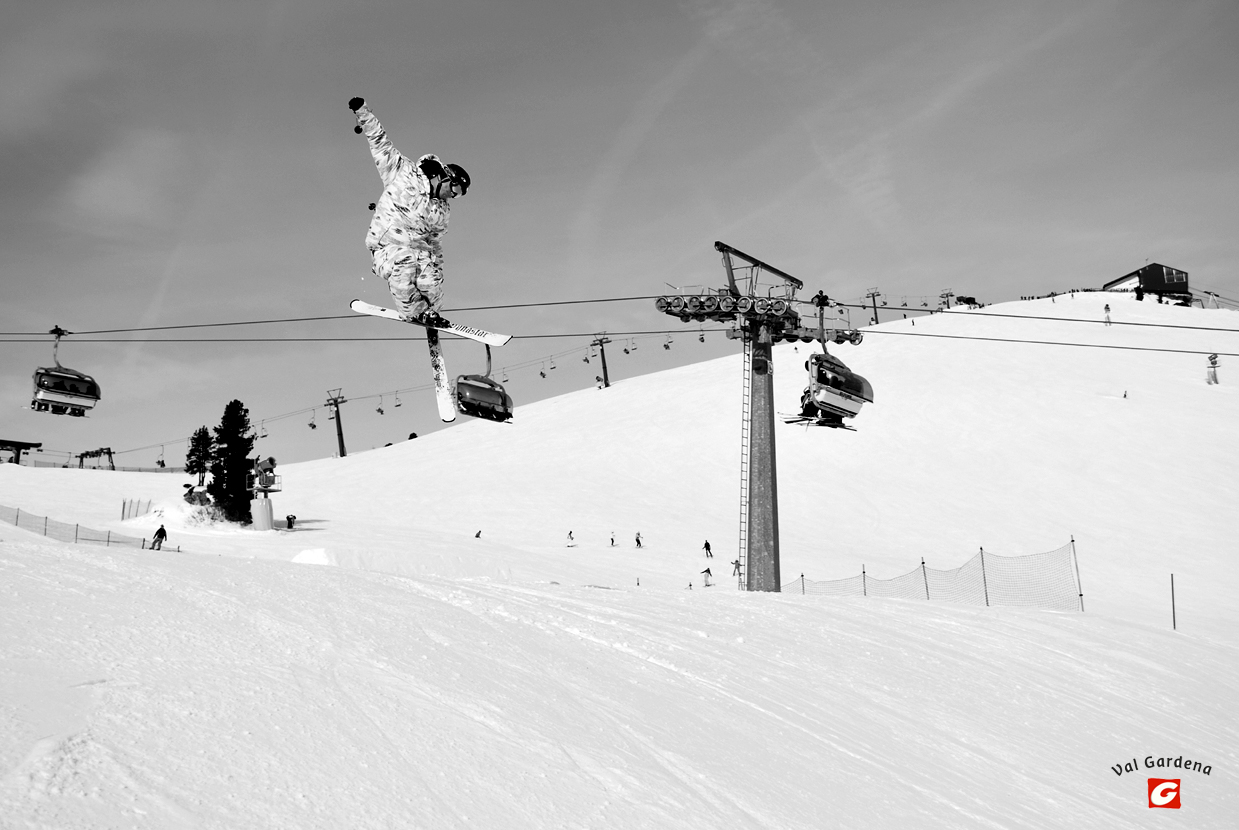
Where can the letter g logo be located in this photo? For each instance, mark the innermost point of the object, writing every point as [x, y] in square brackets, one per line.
[1164, 792]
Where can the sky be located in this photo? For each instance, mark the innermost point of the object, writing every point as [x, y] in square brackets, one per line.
[439, 656]
[193, 165]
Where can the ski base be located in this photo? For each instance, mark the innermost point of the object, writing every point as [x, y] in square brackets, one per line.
[790, 418]
[444, 396]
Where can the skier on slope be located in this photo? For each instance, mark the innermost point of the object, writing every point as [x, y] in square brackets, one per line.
[409, 219]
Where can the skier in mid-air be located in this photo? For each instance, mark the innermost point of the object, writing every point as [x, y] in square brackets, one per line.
[409, 219]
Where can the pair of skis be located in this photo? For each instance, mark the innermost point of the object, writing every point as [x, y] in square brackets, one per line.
[444, 393]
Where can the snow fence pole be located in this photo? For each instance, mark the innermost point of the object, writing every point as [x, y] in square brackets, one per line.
[1174, 622]
[984, 583]
[864, 586]
[924, 577]
[1079, 584]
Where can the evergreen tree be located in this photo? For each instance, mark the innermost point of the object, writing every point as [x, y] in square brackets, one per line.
[230, 463]
[201, 450]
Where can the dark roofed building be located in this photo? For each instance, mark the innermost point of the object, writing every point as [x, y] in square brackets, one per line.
[1152, 278]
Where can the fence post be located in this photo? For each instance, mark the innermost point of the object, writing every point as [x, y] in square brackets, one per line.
[984, 583]
[864, 586]
[143, 543]
[108, 543]
[1079, 584]
[1174, 621]
[75, 527]
[924, 577]
[44, 525]
[802, 591]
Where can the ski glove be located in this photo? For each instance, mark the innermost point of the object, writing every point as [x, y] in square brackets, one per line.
[356, 103]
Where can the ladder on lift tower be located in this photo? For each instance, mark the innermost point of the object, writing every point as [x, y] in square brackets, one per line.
[746, 426]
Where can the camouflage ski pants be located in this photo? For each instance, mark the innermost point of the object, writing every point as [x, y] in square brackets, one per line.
[414, 277]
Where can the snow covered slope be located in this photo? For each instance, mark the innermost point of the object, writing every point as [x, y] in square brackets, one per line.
[444, 680]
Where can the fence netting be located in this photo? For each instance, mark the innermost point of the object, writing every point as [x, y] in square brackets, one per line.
[35, 462]
[64, 532]
[1035, 580]
[133, 508]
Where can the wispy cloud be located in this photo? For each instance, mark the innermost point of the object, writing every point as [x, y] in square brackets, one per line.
[628, 140]
[37, 66]
[758, 33]
[137, 186]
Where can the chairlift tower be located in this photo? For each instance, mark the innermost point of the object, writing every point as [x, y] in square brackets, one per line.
[334, 399]
[761, 315]
[601, 342]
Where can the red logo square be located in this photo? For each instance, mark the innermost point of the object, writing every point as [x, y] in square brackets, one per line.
[1164, 792]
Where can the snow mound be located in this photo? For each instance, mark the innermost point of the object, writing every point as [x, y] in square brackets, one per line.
[313, 556]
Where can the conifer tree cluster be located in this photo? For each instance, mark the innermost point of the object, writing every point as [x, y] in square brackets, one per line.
[230, 463]
[198, 456]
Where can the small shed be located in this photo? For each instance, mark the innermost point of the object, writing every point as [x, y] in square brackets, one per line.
[1153, 278]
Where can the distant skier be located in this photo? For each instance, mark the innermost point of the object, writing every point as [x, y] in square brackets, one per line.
[1211, 372]
[1107, 314]
[571, 541]
[612, 538]
[638, 539]
[735, 571]
[409, 218]
[706, 577]
[158, 539]
[706, 548]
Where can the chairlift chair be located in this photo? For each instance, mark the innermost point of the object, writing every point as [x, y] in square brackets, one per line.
[834, 391]
[61, 390]
[480, 396]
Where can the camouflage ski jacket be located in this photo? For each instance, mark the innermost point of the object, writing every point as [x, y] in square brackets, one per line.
[405, 215]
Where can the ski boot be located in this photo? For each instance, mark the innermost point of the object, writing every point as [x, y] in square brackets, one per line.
[434, 320]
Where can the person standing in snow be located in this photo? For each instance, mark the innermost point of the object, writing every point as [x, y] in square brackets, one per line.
[706, 548]
[735, 571]
[571, 541]
[1211, 372]
[409, 219]
[1107, 314]
[706, 577]
[612, 538]
[158, 538]
[638, 539]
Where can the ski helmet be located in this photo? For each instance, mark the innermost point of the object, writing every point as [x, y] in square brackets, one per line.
[458, 175]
